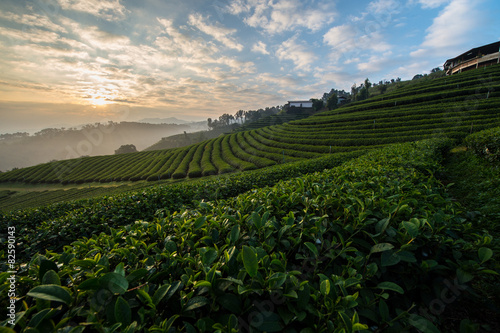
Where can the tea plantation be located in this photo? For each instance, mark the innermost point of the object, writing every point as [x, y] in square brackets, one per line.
[356, 232]
[452, 106]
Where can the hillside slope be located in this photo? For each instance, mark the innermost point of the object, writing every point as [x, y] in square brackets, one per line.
[90, 140]
[453, 106]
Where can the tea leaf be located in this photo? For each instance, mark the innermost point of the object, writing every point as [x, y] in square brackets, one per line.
[160, 293]
[51, 277]
[381, 247]
[422, 324]
[257, 221]
[45, 266]
[250, 261]
[485, 254]
[312, 248]
[325, 287]
[383, 309]
[390, 286]
[235, 234]
[51, 292]
[196, 302]
[411, 228]
[382, 225]
[123, 313]
[120, 269]
[200, 284]
[463, 276]
[209, 257]
[114, 282]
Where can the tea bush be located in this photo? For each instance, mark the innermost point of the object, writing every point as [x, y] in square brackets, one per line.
[485, 144]
[52, 227]
[365, 246]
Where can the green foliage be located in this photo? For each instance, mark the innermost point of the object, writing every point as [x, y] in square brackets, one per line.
[342, 250]
[54, 226]
[485, 143]
[332, 102]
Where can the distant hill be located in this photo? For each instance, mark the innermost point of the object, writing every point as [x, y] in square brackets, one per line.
[186, 139]
[169, 120]
[23, 150]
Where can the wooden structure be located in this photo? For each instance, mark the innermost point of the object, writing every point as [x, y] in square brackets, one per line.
[478, 57]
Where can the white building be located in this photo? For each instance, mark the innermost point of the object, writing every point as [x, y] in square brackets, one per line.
[300, 104]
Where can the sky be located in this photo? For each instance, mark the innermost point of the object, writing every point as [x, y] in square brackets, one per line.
[70, 62]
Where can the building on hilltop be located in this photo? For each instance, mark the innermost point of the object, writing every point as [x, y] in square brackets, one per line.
[299, 107]
[478, 57]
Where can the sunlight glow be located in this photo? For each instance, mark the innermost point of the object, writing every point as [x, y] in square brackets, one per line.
[99, 99]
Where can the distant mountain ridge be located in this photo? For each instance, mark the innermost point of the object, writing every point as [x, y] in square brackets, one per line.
[169, 120]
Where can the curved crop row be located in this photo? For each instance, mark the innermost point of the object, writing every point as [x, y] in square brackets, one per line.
[279, 155]
[194, 170]
[207, 167]
[239, 151]
[230, 158]
[219, 162]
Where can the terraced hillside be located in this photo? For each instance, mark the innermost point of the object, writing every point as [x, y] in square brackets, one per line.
[276, 119]
[453, 106]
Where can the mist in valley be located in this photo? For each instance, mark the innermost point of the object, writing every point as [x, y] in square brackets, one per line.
[19, 150]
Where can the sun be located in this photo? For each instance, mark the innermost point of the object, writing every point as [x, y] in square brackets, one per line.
[99, 100]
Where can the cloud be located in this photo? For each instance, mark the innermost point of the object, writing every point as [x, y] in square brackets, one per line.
[299, 53]
[109, 10]
[180, 44]
[283, 15]
[452, 29]
[347, 42]
[219, 33]
[196, 54]
[280, 80]
[32, 20]
[101, 39]
[376, 63]
[432, 3]
[260, 47]
[384, 6]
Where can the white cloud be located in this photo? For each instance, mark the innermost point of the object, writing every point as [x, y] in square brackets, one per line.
[283, 15]
[433, 3]
[452, 29]
[279, 80]
[219, 33]
[347, 42]
[260, 47]
[103, 39]
[384, 6]
[298, 53]
[376, 63]
[106, 9]
[32, 20]
[341, 38]
[198, 55]
[182, 45]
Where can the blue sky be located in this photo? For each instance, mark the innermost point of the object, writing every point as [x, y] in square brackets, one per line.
[68, 62]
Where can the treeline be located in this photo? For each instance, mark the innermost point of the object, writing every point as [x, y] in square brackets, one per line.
[241, 117]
